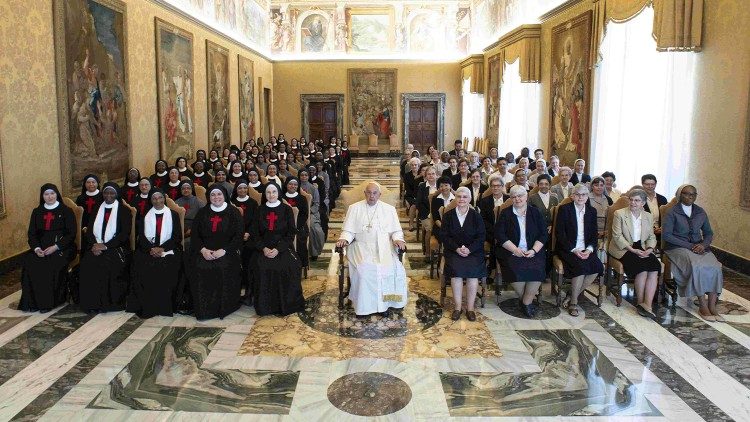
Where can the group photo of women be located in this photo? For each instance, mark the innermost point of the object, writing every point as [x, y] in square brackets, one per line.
[234, 227]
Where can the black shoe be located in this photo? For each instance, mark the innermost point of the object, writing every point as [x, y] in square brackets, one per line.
[471, 316]
[456, 315]
[533, 309]
[527, 310]
[44, 311]
[313, 258]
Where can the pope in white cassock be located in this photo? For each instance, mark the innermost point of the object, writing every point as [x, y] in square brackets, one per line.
[371, 233]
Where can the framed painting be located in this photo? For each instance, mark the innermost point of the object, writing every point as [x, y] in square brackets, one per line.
[570, 111]
[493, 99]
[370, 30]
[217, 83]
[247, 99]
[174, 82]
[372, 95]
[92, 90]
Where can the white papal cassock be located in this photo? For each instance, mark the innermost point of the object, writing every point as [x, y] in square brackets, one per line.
[378, 277]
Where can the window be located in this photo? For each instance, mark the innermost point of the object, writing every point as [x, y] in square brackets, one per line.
[519, 112]
[472, 118]
[643, 107]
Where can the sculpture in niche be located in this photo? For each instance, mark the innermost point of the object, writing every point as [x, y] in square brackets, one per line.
[91, 59]
[217, 75]
[313, 33]
[372, 95]
[570, 89]
[174, 61]
[247, 99]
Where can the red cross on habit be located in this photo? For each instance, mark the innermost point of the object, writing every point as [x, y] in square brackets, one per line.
[142, 206]
[90, 205]
[158, 182]
[215, 220]
[271, 217]
[130, 194]
[48, 220]
[173, 193]
[198, 182]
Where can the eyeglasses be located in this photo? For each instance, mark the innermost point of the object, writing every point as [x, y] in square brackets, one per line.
[580, 195]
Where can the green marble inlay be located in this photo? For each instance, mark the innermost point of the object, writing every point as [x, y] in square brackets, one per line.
[576, 380]
[167, 375]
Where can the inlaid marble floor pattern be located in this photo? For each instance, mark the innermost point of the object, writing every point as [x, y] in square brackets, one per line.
[327, 364]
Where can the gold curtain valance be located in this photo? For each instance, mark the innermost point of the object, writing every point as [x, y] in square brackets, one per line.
[523, 43]
[677, 23]
[473, 70]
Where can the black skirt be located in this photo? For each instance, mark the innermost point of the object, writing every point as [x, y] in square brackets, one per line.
[154, 285]
[520, 269]
[278, 284]
[575, 266]
[634, 265]
[472, 266]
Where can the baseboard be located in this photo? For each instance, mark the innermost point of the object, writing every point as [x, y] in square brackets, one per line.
[10, 263]
[732, 261]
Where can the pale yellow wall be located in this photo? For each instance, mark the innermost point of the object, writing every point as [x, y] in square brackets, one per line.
[294, 78]
[721, 107]
[28, 117]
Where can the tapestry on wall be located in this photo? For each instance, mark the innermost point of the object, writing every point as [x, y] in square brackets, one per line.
[372, 95]
[493, 99]
[217, 75]
[247, 99]
[571, 89]
[91, 67]
[174, 62]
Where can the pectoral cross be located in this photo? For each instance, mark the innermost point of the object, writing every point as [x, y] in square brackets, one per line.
[142, 206]
[215, 220]
[90, 205]
[130, 194]
[48, 220]
[271, 217]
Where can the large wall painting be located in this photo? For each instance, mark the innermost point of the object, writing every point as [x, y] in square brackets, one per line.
[247, 99]
[217, 75]
[493, 99]
[313, 33]
[174, 80]
[369, 31]
[372, 95]
[93, 112]
[571, 89]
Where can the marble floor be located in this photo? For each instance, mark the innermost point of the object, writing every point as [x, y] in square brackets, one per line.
[326, 364]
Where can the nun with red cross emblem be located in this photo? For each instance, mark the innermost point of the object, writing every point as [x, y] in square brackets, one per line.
[214, 264]
[90, 198]
[278, 273]
[51, 236]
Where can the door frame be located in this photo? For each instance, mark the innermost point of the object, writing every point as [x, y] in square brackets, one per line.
[424, 96]
[306, 99]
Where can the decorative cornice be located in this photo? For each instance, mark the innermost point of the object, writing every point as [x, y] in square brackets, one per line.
[522, 32]
[473, 59]
[562, 8]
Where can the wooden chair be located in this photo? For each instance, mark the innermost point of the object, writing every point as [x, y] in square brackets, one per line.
[251, 192]
[242, 212]
[555, 180]
[444, 280]
[557, 265]
[180, 213]
[78, 214]
[534, 190]
[487, 192]
[436, 248]
[133, 233]
[498, 288]
[200, 192]
[426, 234]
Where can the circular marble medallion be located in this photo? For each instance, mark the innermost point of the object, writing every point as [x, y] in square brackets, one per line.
[369, 394]
[546, 310]
[323, 314]
[727, 308]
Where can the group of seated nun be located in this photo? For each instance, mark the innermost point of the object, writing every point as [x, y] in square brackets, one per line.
[517, 223]
[232, 249]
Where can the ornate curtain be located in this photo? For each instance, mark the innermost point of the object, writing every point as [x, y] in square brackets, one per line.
[473, 70]
[677, 24]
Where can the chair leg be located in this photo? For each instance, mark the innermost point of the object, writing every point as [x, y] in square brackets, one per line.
[559, 278]
[600, 297]
[442, 291]
[484, 291]
[433, 258]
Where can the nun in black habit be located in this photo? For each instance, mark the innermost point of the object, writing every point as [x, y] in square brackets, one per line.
[90, 197]
[294, 199]
[130, 187]
[249, 207]
[278, 275]
[214, 272]
[51, 236]
[156, 261]
[104, 265]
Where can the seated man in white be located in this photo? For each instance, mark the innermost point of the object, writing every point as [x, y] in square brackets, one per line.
[371, 233]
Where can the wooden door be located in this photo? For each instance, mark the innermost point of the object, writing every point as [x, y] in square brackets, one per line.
[423, 124]
[267, 130]
[321, 120]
